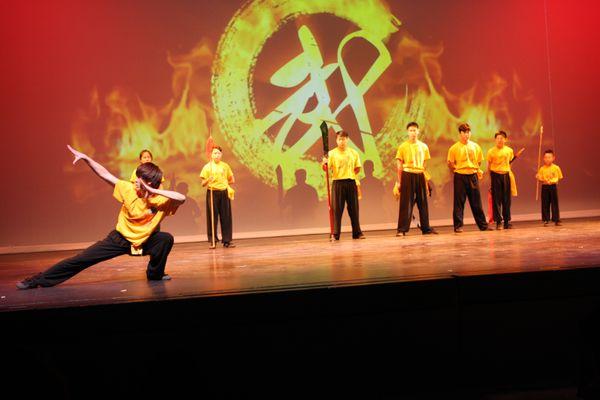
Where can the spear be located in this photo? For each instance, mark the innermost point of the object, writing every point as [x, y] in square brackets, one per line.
[537, 184]
[325, 138]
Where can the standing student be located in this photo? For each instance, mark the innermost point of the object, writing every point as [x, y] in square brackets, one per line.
[464, 160]
[344, 164]
[499, 159]
[217, 177]
[549, 175]
[143, 207]
[411, 158]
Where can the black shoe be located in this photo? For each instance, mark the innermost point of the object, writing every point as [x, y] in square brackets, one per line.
[398, 234]
[458, 230]
[545, 223]
[499, 226]
[228, 244]
[487, 228]
[29, 283]
[165, 277]
[558, 223]
[508, 226]
[361, 236]
[431, 231]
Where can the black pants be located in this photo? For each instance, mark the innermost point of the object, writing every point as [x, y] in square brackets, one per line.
[501, 197]
[345, 192]
[550, 201]
[222, 212]
[158, 246]
[413, 189]
[467, 186]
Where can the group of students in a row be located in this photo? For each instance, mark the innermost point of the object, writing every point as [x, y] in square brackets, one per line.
[412, 187]
[144, 203]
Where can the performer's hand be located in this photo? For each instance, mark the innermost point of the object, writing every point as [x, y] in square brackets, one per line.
[520, 152]
[325, 160]
[78, 155]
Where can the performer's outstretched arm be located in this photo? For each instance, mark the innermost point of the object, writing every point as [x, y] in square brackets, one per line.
[170, 194]
[97, 168]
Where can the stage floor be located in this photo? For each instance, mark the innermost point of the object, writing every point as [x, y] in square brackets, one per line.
[293, 263]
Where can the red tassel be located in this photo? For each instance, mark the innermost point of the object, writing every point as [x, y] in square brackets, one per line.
[490, 206]
[209, 147]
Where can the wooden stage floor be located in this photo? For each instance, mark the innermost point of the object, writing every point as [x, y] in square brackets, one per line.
[295, 263]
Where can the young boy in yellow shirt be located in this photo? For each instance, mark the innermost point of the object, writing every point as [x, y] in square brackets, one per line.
[217, 177]
[411, 158]
[503, 183]
[464, 160]
[549, 175]
[143, 207]
[344, 164]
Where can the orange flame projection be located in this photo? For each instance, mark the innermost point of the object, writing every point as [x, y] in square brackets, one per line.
[116, 127]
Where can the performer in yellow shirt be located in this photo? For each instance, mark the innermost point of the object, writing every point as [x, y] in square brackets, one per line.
[464, 159]
[502, 179]
[344, 164]
[145, 156]
[549, 175]
[411, 158]
[143, 207]
[217, 175]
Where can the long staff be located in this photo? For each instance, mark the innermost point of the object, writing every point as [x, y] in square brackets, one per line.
[325, 138]
[537, 181]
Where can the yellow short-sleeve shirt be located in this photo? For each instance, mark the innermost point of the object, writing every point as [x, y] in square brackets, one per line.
[499, 159]
[221, 172]
[139, 217]
[550, 174]
[413, 156]
[466, 158]
[343, 163]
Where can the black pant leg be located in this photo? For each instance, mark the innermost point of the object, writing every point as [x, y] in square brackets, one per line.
[338, 207]
[506, 199]
[497, 196]
[112, 246]
[406, 202]
[211, 217]
[421, 199]
[352, 200]
[554, 203]
[158, 246]
[546, 198]
[474, 196]
[460, 196]
[225, 217]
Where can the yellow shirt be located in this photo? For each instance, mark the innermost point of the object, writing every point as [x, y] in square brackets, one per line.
[134, 177]
[413, 156]
[221, 171]
[343, 163]
[499, 159]
[466, 158]
[549, 175]
[140, 217]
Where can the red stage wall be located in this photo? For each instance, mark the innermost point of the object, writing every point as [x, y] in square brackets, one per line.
[113, 77]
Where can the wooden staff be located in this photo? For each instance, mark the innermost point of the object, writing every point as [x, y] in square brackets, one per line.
[537, 181]
[208, 151]
[325, 138]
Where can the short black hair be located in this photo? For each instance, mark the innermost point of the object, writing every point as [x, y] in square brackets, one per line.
[464, 127]
[342, 133]
[411, 124]
[501, 133]
[218, 148]
[549, 151]
[150, 173]
[146, 151]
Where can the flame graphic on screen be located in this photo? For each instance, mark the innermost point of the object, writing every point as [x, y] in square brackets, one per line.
[117, 125]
